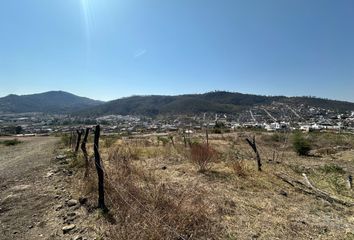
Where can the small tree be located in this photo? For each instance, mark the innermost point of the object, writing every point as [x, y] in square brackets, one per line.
[301, 145]
[202, 155]
[18, 130]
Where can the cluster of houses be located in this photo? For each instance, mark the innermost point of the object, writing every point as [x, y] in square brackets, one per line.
[268, 119]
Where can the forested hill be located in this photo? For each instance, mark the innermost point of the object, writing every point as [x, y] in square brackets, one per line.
[48, 102]
[217, 102]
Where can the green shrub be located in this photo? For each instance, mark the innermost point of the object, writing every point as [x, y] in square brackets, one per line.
[65, 139]
[300, 144]
[12, 142]
[278, 137]
[332, 168]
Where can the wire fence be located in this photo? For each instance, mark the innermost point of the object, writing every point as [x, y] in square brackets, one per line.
[121, 193]
[143, 207]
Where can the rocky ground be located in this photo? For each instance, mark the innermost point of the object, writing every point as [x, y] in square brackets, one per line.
[36, 200]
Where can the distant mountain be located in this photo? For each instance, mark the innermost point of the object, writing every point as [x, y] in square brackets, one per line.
[48, 102]
[215, 102]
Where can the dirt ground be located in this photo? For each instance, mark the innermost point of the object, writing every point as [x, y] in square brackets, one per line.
[251, 204]
[34, 190]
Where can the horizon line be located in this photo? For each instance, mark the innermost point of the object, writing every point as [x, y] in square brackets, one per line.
[180, 94]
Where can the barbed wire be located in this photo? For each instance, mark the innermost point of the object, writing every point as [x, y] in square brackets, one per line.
[135, 199]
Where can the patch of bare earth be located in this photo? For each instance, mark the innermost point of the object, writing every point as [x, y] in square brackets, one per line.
[34, 193]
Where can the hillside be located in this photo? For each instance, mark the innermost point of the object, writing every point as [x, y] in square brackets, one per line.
[216, 102]
[48, 102]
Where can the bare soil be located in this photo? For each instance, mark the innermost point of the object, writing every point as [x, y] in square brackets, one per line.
[33, 191]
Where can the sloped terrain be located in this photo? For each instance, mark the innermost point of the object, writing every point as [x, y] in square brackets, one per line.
[35, 192]
[231, 199]
[213, 102]
[49, 102]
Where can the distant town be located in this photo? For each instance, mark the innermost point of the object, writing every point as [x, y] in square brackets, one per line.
[274, 117]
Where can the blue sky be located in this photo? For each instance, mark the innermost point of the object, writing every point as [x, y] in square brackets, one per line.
[106, 49]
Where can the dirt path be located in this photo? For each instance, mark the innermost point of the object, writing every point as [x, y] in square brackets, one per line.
[33, 191]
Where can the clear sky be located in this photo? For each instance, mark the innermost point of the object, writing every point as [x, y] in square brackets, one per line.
[106, 49]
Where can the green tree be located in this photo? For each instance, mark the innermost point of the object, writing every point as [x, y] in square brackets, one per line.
[301, 145]
[18, 130]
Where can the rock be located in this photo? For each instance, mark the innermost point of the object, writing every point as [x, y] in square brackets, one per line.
[19, 188]
[69, 220]
[72, 202]
[49, 174]
[68, 228]
[30, 226]
[71, 214]
[83, 200]
[164, 168]
[76, 207]
[59, 207]
[78, 238]
[255, 236]
[283, 193]
[60, 157]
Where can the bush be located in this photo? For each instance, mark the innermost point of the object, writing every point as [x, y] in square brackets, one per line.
[239, 168]
[301, 145]
[332, 168]
[109, 141]
[278, 137]
[142, 208]
[66, 139]
[12, 142]
[202, 155]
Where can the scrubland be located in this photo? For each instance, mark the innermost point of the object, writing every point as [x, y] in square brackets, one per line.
[181, 187]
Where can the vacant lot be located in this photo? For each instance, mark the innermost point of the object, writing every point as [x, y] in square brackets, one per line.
[157, 190]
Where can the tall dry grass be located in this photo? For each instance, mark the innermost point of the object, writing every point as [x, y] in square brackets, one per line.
[142, 207]
[202, 155]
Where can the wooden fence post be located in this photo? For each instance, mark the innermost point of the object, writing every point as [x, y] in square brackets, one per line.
[99, 169]
[79, 134]
[84, 150]
[207, 135]
[253, 145]
[172, 140]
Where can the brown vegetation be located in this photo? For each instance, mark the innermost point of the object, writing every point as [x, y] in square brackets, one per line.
[202, 155]
[153, 190]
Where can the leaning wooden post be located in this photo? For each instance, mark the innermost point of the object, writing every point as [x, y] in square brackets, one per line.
[172, 141]
[84, 150]
[207, 135]
[99, 169]
[253, 145]
[79, 134]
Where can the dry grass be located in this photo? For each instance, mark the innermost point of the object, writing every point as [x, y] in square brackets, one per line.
[154, 192]
[144, 208]
[202, 156]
